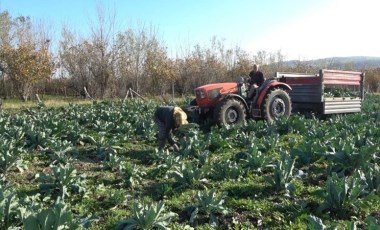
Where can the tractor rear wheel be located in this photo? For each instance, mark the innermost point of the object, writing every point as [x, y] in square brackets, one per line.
[229, 111]
[277, 104]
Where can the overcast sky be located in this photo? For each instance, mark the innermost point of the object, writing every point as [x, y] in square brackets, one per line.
[301, 29]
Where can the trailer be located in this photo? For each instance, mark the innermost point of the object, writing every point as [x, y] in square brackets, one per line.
[329, 92]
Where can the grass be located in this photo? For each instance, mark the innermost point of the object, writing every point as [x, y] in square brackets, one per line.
[15, 104]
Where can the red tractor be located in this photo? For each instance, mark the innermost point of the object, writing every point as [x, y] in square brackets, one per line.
[226, 103]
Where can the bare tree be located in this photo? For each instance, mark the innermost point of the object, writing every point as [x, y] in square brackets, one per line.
[203, 65]
[159, 69]
[90, 62]
[134, 47]
[241, 63]
[101, 49]
[74, 61]
[372, 80]
[5, 26]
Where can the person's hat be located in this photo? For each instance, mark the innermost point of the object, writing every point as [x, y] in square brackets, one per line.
[180, 117]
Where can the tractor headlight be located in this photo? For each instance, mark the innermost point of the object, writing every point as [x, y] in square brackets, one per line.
[214, 93]
[200, 94]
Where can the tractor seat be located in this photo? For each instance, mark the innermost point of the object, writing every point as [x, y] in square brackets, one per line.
[265, 84]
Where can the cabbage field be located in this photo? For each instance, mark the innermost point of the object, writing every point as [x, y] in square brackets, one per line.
[97, 167]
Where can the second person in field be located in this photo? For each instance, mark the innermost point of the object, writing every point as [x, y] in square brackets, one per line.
[168, 118]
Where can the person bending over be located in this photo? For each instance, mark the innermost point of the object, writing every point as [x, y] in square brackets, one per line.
[168, 118]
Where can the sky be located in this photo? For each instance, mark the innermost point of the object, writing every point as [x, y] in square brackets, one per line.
[300, 29]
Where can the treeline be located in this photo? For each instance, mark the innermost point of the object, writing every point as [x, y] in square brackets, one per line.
[107, 62]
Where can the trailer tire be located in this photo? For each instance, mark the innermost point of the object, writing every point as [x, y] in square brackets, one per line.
[277, 104]
[229, 111]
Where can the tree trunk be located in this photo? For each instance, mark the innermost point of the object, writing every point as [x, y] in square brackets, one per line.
[3, 83]
[24, 90]
[173, 90]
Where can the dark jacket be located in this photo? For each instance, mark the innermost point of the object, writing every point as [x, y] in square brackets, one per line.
[256, 78]
[165, 115]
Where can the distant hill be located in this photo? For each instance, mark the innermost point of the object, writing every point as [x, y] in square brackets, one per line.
[357, 62]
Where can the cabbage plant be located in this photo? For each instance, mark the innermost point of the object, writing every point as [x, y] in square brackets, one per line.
[209, 202]
[147, 216]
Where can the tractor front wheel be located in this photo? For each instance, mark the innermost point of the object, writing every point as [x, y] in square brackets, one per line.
[277, 104]
[229, 111]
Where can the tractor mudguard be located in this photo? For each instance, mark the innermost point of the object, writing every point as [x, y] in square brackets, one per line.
[238, 97]
[266, 86]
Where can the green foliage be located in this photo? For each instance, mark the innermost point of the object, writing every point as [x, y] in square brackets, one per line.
[372, 223]
[371, 175]
[147, 216]
[36, 139]
[13, 133]
[168, 162]
[340, 92]
[61, 151]
[62, 180]
[187, 175]
[10, 156]
[103, 146]
[131, 174]
[188, 130]
[192, 146]
[346, 157]
[315, 223]
[309, 151]
[283, 174]
[216, 141]
[114, 162]
[341, 193]
[227, 170]
[209, 202]
[254, 159]
[269, 143]
[244, 139]
[9, 203]
[56, 217]
[112, 142]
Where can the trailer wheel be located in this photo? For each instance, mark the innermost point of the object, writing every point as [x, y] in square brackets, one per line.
[229, 111]
[277, 104]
